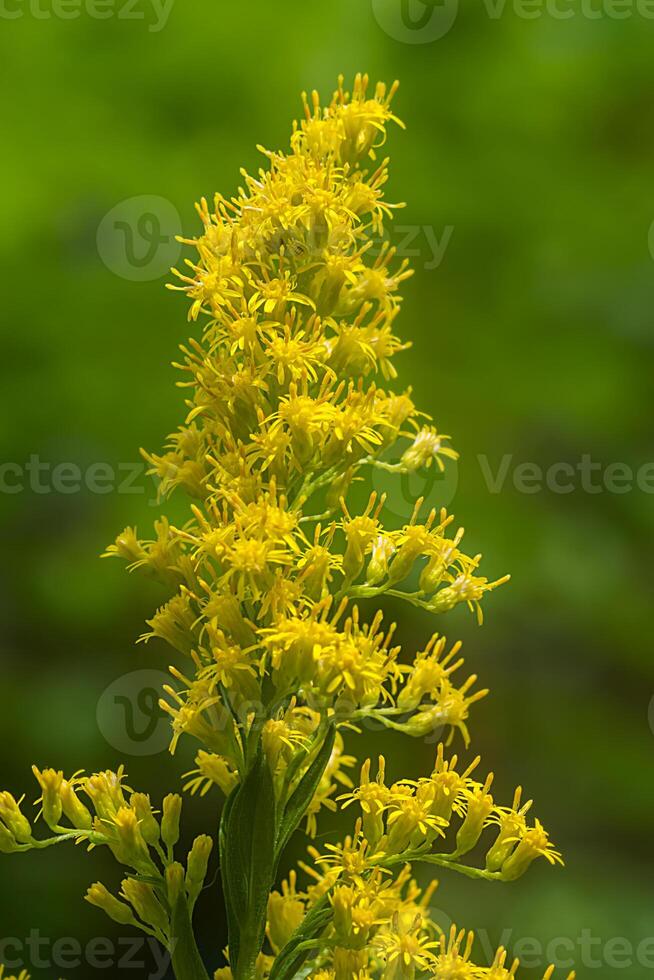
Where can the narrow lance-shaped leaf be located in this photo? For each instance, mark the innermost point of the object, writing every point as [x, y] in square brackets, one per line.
[292, 956]
[301, 798]
[187, 962]
[249, 863]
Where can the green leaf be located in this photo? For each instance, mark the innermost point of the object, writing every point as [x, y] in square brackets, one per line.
[248, 863]
[187, 962]
[250, 847]
[301, 798]
[290, 959]
[229, 877]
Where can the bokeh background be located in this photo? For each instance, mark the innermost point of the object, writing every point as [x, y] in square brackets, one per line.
[527, 166]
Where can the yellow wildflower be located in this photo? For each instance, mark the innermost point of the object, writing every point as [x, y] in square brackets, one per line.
[268, 579]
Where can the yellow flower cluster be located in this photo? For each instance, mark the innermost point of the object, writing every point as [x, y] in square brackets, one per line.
[101, 810]
[267, 585]
[378, 928]
[409, 817]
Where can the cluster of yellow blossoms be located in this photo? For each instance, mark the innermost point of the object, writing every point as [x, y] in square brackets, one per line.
[288, 407]
[382, 926]
[102, 810]
[379, 927]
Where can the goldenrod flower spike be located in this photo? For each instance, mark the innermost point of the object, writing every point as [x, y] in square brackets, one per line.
[279, 656]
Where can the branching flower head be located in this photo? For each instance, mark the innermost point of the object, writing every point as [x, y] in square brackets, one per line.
[279, 659]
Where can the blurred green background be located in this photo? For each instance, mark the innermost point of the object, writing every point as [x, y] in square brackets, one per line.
[528, 162]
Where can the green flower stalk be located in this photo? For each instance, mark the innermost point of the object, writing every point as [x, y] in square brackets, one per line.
[280, 655]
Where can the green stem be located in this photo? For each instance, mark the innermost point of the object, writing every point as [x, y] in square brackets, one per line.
[310, 485]
[63, 834]
[443, 861]
[239, 738]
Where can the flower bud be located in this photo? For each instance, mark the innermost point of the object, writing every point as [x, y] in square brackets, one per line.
[382, 550]
[106, 793]
[127, 546]
[129, 846]
[535, 843]
[172, 809]
[147, 821]
[499, 852]
[480, 806]
[99, 896]
[359, 532]
[174, 881]
[432, 575]
[50, 782]
[197, 864]
[518, 862]
[445, 600]
[8, 843]
[146, 905]
[512, 827]
[353, 559]
[73, 807]
[404, 561]
[374, 796]
[17, 824]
